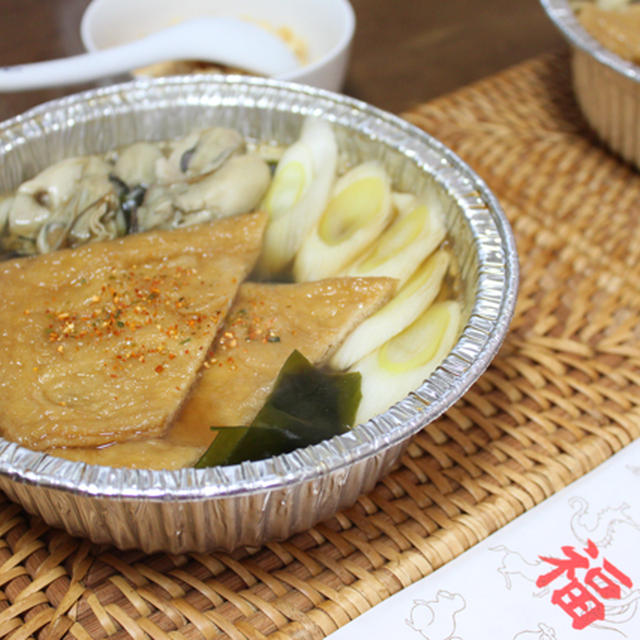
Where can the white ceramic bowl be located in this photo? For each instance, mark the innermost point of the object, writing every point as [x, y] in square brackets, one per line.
[325, 26]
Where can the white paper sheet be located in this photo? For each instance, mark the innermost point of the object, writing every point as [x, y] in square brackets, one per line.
[504, 588]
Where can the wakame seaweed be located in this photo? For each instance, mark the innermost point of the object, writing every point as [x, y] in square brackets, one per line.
[307, 405]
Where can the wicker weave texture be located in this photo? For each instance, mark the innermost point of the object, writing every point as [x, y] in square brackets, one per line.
[561, 397]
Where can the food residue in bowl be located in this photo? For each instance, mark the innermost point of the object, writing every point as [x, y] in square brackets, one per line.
[296, 44]
[135, 328]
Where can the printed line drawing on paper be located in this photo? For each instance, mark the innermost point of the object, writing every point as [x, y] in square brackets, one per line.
[588, 594]
[602, 527]
[514, 564]
[543, 632]
[634, 469]
[584, 584]
[436, 619]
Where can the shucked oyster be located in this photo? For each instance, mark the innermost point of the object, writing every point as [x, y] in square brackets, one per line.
[71, 202]
[236, 188]
[136, 164]
[199, 154]
[199, 178]
[207, 176]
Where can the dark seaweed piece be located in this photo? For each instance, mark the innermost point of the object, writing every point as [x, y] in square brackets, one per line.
[225, 441]
[306, 406]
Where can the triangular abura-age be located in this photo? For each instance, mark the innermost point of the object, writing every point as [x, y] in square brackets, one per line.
[266, 323]
[101, 344]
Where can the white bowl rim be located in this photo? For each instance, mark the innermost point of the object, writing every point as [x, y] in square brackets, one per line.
[329, 56]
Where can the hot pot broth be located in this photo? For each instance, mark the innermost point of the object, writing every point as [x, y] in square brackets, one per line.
[373, 284]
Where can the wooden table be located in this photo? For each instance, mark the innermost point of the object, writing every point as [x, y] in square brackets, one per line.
[404, 52]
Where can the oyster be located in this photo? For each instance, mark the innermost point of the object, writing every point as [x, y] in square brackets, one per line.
[51, 236]
[163, 185]
[6, 202]
[97, 215]
[136, 163]
[200, 153]
[157, 210]
[48, 207]
[237, 187]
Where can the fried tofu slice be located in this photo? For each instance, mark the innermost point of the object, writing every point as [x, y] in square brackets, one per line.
[266, 323]
[101, 344]
[154, 453]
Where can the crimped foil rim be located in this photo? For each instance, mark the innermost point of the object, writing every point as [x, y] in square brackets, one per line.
[481, 338]
[565, 19]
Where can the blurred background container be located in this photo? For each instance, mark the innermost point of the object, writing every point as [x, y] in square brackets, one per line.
[606, 86]
[403, 53]
[319, 32]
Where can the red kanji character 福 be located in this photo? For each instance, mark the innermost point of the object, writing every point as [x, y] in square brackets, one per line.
[576, 600]
[566, 565]
[603, 584]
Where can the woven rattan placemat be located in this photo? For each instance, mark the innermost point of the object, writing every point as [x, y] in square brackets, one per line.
[561, 397]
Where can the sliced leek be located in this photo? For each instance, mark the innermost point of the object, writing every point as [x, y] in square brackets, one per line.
[410, 301]
[402, 202]
[402, 363]
[403, 246]
[298, 194]
[357, 212]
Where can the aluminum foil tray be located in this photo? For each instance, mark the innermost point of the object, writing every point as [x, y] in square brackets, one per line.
[606, 86]
[248, 504]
